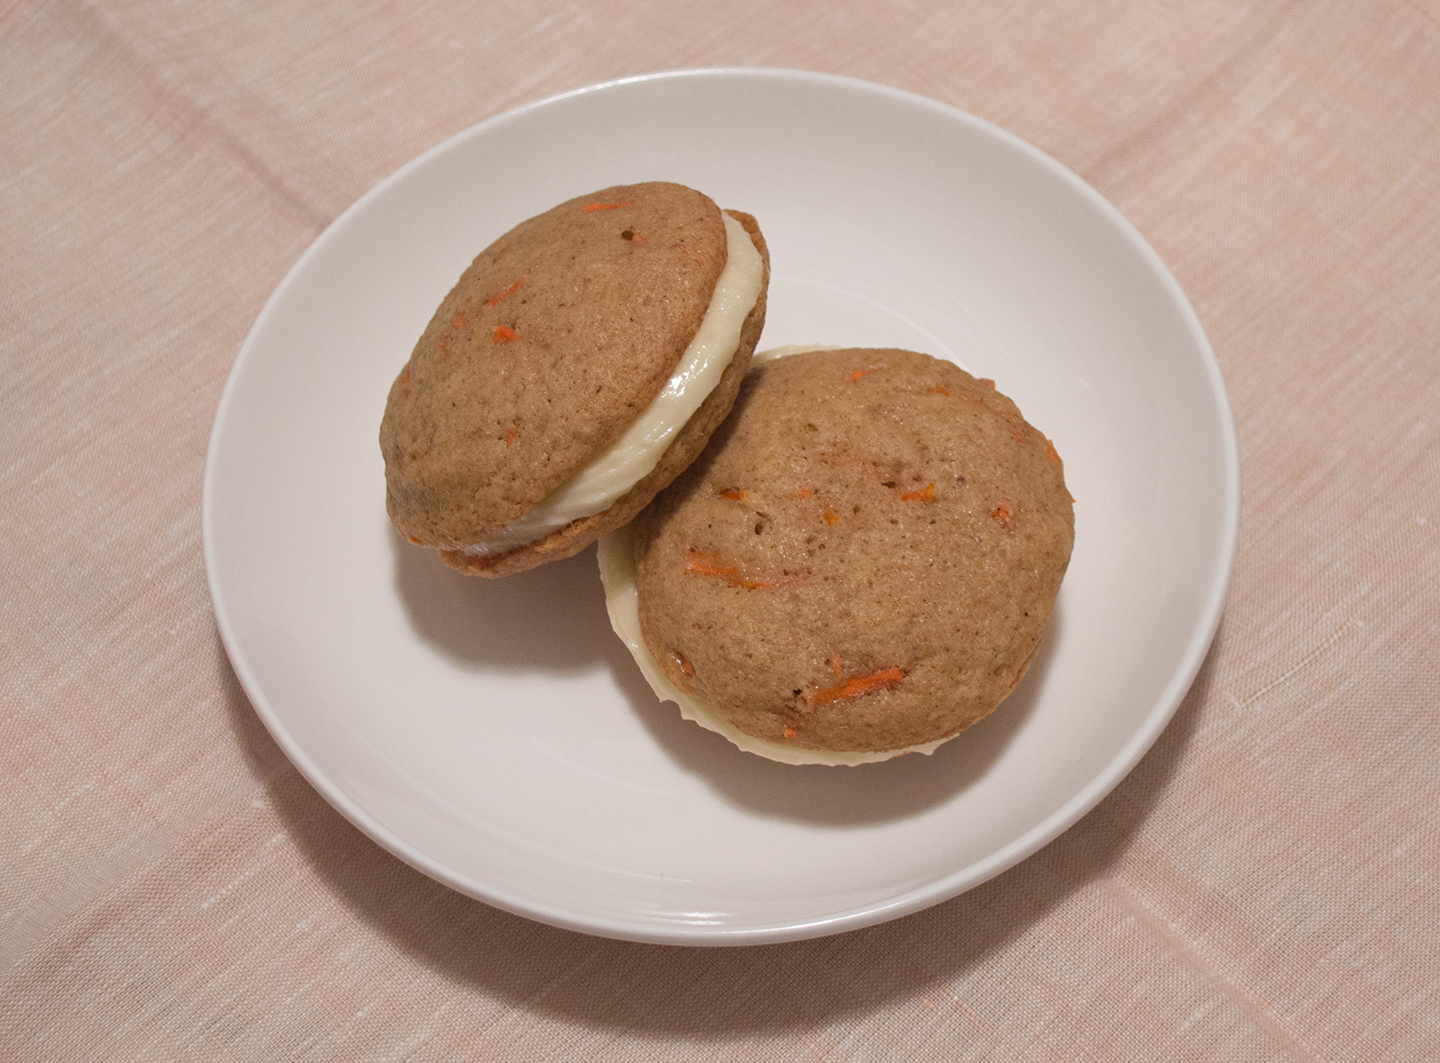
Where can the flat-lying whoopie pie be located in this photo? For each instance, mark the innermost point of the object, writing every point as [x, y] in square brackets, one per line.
[860, 564]
[579, 365]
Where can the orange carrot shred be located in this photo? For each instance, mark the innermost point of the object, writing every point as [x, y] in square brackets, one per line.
[705, 564]
[591, 208]
[926, 494]
[859, 373]
[700, 563]
[510, 435]
[1050, 451]
[413, 539]
[859, 686]
[703, 568]
[506, 292]
[837, 664]
[788, 731]
[987, 382]
[1004, 513]
[637, 239]
[460, 320]
[831, 517]
[735, 495]
[503, 335]
[405, 374]
[940, 389]
[804, 492]
[685, 665]
[443, 341]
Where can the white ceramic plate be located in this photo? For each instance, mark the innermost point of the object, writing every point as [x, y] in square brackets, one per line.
[497, 736]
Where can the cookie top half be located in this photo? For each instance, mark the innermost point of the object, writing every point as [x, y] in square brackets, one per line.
[863, 558]
[552, 342]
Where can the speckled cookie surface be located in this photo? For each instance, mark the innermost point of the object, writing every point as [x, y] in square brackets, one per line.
[554, 339]
[863, 558]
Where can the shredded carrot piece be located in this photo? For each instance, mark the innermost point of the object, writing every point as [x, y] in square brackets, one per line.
[859, 373]
[704, 564]
[510, 436]
[405, 374]
[637, 239]
[940, 390]
[700, 563]
[1004, 513]
[460, 320]
[443, 341]
[788, 731]
[1050, 451]
[685, 665]
[831, 517]
[591, 208]
[735, 495]
[503, 335]
[859, 686]
[704, 568]
[926, 494]
[804, 492]
[837, 664]
[987, 382]
[506, 292]
[413, 539]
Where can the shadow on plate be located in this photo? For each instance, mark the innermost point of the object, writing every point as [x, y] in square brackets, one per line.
[836, 796]
[551, 619]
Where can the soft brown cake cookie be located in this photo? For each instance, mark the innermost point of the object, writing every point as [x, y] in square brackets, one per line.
[863, 559]
[618, 321]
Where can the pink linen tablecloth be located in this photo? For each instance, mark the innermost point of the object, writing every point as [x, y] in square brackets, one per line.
[1265, 885]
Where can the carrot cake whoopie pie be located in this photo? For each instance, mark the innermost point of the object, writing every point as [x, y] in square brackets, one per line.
[580, 363]
[860, 564]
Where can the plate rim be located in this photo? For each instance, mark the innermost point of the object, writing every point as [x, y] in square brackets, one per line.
[914, 900]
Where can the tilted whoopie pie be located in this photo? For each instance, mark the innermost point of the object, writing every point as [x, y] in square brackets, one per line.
[580, 363]
[860, 564]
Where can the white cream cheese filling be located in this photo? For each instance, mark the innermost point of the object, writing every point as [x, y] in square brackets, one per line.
[622, 602]
[626, 461]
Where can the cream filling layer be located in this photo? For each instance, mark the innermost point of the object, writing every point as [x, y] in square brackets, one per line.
[622, 602]
[630, 458]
